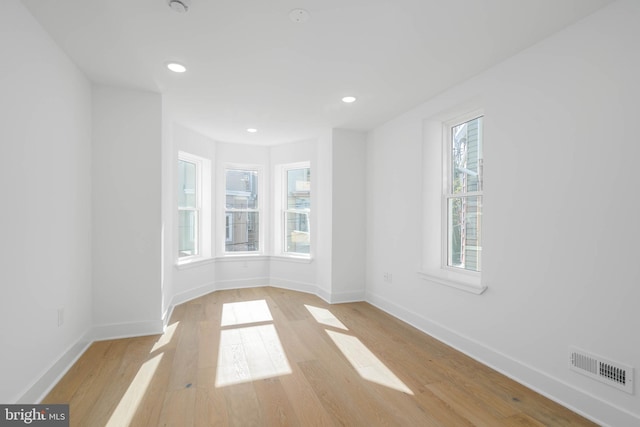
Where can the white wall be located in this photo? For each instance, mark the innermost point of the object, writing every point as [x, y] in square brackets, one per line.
[45, 220]
[127, 139]
[559, 222]
[323, 214]
[348, 216]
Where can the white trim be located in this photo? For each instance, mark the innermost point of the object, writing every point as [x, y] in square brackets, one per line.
[447, 193]
[601, 412]
[203, 210]
[242, 257]
[348, 296]
[292, 258]
[193, 262]
[127, 330]
[454, 280]
[308, 288]
[39, 389]
[198, 163]
[280, 208]
[252, 282]
[186, 296]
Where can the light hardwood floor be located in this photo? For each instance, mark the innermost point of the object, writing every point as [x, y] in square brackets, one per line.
[271, 357]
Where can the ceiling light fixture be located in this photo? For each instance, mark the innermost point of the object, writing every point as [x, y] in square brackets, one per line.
[298, 16]
[176, 67]
[180, 6]
[252, 130]
[349, 99]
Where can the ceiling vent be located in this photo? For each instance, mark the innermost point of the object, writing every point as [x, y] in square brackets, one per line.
[180, 6]
[612, 373]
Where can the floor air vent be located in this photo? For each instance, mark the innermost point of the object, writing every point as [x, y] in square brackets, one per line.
[612, 373]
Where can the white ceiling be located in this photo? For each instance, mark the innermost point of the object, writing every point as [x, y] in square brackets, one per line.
[250, 66]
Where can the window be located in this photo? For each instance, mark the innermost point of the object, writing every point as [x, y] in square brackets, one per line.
[194, 208]
[296, 209]
[242, 210]
[189, 200]
[463, 194]
[452, 190]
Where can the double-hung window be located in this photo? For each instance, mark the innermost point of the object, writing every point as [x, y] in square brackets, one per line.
[463, 194]
[189, 206]
[242, 210]
[296, 209]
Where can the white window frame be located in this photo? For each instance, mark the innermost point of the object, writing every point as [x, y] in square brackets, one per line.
[203, 207]
[436, 182]
[280, 201]
[447, 192]
[259, 209]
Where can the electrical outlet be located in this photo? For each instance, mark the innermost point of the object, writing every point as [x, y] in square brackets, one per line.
[388, 277]
[60, 316]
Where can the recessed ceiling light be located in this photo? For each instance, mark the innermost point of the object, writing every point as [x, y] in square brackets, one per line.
[252, 130]
[176, 67]
[349, 99]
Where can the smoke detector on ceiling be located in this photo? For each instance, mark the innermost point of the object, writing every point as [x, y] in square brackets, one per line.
[180, 6]
[299, 16]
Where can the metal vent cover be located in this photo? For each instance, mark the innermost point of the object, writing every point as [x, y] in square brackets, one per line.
[614, 374]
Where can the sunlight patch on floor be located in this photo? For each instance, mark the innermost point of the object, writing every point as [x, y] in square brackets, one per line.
[240, 313]
[126, 409]
[249, 354]
[166, 337]
[325, 317]
[366, 363]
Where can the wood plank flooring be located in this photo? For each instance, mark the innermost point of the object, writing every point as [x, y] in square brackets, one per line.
[273, 357]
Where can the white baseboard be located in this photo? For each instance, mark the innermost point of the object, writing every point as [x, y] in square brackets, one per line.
[50, 377]
[184, 297]
[307, 288]
[253, 282]
[351, 296]
[126, 330]
[599, 411]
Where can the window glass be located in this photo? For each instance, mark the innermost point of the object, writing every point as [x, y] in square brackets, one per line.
[297, 210]
[242, 216]
[464, 199]
[187, 208]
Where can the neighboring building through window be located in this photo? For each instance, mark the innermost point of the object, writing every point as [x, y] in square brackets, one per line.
[463, 194]
[296, 209]
[188, 206]
[242, 210]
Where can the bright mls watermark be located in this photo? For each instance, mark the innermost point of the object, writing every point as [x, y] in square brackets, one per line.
[34, 415]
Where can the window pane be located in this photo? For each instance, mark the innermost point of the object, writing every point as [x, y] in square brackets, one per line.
[186, 184]
[296, 232]
[299, 188]
[466, 157]
[242, 232]
[241, 189]
[465, 243]
[187, 232]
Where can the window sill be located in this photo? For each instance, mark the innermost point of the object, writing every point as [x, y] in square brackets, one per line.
[244, 256]
[454, 280]
[198, 262]
[193, 262]
[293, 258]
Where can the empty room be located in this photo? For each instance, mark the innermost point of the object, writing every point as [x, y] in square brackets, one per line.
[288, 212]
